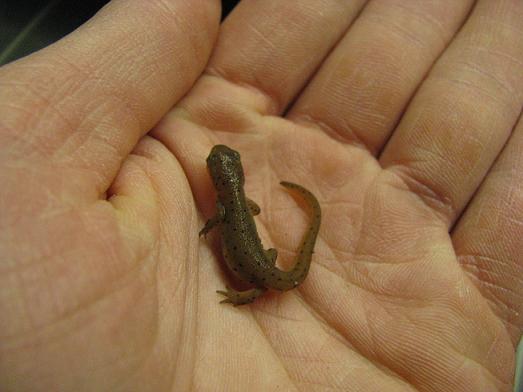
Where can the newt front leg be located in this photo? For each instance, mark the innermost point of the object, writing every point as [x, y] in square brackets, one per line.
[215, 220]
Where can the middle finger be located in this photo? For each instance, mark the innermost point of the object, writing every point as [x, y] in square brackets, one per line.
[365, 84]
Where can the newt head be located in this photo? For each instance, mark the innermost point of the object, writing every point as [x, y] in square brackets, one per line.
[225, 167]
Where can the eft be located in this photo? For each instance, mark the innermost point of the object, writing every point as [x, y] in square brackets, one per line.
[241, 246]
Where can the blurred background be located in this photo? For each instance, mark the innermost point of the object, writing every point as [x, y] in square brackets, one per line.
[29, 25]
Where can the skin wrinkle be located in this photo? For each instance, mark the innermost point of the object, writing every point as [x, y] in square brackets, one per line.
[262, 332]
[475, 88]
[165, 49]
[153, 339]
[399, 30]
[242, 115]
[31, 90]
[436, 155]
[273, 106]
[380, 359]
[412, 163]
[348, 135]
[333, 332]
[135, 270]
[186, 327]
[481, 266]
[86, 72]
[498, 306]
[70, 126]
[495, 298]
[512, 219]
[33, 121]
[13, 134]
[92, 135]
[472, 68]
[345, 339]
[436, 203]
[71, 315]
[118, 284]
[40, 259]
[425, 17]
[480, 366]
[259, 34]
[385, 295]
[503, 57]
[492, 293]
[112, 87]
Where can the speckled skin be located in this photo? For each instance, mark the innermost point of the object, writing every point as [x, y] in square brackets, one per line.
[241, 245]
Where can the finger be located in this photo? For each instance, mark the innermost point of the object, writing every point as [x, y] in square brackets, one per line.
[272, 47]
[265, 53]
[489, 237]
[82, 104]
[463, 113]
[363, 87]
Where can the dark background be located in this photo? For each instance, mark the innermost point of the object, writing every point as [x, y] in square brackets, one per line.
[29, 25]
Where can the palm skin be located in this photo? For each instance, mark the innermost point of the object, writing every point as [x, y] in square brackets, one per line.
[415, 282]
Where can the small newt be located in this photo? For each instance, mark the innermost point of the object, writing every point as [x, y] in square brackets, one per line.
[241, 246]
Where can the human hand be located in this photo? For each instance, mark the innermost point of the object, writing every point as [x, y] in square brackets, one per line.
[108, 287]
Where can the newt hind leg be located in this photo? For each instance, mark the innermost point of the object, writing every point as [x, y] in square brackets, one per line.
[241, 297]
[271, 254]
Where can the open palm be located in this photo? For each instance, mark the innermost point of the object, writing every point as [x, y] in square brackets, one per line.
[401, 117]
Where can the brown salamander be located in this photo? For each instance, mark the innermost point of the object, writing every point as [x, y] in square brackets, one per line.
[241, 246]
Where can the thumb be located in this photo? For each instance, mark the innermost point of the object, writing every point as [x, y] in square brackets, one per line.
[77, 108]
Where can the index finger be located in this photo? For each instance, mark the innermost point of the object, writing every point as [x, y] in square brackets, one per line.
[80, 105]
